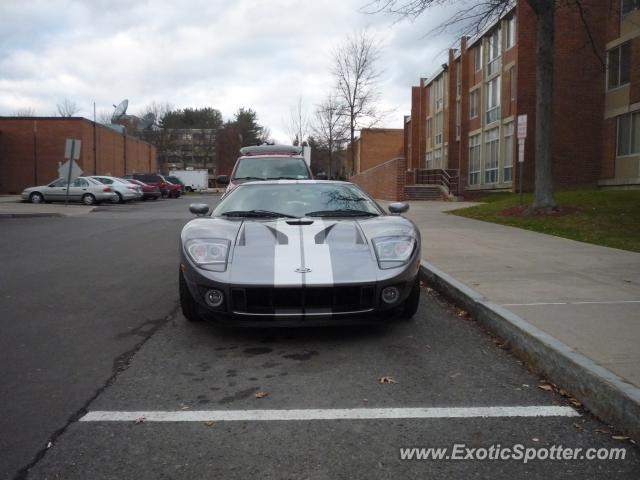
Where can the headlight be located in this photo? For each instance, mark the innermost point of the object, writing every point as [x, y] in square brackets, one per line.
[208, 253]
[393, 251]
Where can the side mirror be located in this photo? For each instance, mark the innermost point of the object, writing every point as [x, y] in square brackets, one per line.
[199, 209]
[222, 179]
[398, 207]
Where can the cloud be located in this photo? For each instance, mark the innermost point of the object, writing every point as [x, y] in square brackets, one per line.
[258, 54]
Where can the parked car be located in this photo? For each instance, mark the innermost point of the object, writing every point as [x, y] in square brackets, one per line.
[174, 190]
[299, 253]
[151, 179]
[125, 190]
[148, 191]
[269, 162]
[82, 189]
[176, 181]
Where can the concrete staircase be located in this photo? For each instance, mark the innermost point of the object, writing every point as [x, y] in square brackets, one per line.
[423, 192]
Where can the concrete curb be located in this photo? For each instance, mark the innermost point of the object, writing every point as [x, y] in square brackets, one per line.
[606, 395]
[30, 215]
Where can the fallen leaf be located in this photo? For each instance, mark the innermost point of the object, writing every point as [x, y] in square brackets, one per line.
[139, 420]
[535, 439]
[619, 437]
[261, 394]
[600, 430]
[578, 427]
[575, 402]
[184, 408]
[210, 424]
[546, 387]
[457, 374]
[387, 380]
[462, 313]
[50, 444]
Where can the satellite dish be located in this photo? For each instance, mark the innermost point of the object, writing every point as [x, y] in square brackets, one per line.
[120, 110]
[146, 121]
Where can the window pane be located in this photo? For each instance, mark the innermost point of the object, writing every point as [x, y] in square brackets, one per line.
[635, 134]
[625, 63]
[624, 134]
[614, 67]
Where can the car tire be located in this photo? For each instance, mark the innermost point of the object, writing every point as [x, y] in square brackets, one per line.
[411, 304]
[189, 189]
[36, 197]
[88, 199]
[118, 198]
[154, 198]
[187, 303]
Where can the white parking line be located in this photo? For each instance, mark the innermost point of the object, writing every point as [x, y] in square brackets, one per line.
[328, 414]
[604, 302]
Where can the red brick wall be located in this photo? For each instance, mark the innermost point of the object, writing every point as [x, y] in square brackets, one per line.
[19, 168]
[377, 145]
[608, 168]
[384, 182]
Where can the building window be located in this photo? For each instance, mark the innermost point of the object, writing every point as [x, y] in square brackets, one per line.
[493, 100]
[439, 126]
[630, 5]
[429, 131]
[477, 58]
[437, 158]
[628, 134]
[513, 79]
[438, 90]
[429, 161]
[511, 32]
[458, 119]
[474, 160]
[493, 55]
[619, 65]
[474, 102]
[507, 166]
[491, 155]
[458, 79]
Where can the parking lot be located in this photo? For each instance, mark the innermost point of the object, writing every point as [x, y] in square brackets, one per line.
[90, 323]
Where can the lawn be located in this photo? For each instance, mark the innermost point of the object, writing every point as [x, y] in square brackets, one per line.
[601, 217]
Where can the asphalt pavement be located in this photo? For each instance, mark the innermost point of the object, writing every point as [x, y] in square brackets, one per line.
[90, 324]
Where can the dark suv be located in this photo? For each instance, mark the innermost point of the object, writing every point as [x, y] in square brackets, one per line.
[269, 162]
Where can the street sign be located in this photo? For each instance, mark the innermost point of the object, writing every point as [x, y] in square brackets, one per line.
[522, 126]
[63, 170]
[72, 147]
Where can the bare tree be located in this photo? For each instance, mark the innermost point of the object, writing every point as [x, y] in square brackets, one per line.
[104, 116]
[330, 127]
[24, 112]
[357, 76]
[472, 19]
[298, 123]
[67, 108]
[159, 110]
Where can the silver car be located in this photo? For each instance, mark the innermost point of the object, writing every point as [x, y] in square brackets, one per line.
[82, 189]
[299, 253]
[125, 190]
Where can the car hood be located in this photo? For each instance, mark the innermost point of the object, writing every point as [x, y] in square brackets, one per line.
[292, 252]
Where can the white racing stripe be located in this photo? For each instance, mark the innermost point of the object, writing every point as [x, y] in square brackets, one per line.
[317, 257]
[328, 414]
[287, 257]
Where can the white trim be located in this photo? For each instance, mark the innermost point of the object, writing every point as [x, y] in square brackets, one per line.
[327, 414]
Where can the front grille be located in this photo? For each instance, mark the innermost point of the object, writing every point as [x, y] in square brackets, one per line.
[271, 300]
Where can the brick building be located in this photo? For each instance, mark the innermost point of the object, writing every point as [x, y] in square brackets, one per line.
[375, 146]
[32, 148]
[463, 118]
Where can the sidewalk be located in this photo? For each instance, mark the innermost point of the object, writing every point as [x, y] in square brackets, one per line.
[585, 296]
[12, 206]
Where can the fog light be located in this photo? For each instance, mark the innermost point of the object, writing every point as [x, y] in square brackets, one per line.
[214, 298]
[390, 294]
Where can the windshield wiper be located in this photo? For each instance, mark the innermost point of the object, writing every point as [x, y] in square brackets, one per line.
[347, 212]
[249, 178]
[285, 178]
[256, 214]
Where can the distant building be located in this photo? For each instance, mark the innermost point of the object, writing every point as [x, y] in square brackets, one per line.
[185, 148]
[32, 149]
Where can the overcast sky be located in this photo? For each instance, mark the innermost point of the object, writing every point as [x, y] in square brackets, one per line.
[195, 53]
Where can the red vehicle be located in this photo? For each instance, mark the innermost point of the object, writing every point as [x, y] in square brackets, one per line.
[268, 162]
[148, 191]
[174, 190]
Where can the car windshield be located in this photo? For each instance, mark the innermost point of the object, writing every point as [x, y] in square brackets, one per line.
[298, 199]
[262, 168]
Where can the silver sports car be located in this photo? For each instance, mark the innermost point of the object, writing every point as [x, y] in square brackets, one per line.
[300, 252]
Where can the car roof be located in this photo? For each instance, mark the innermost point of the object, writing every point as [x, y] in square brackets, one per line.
[295, 182]
[284, 150]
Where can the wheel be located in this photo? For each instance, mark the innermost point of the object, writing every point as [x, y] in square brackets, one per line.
[187, 303]
[411, 304]
[118, 199]
[189, 189]
[88, 199]
[154, 198]
[36, 197]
